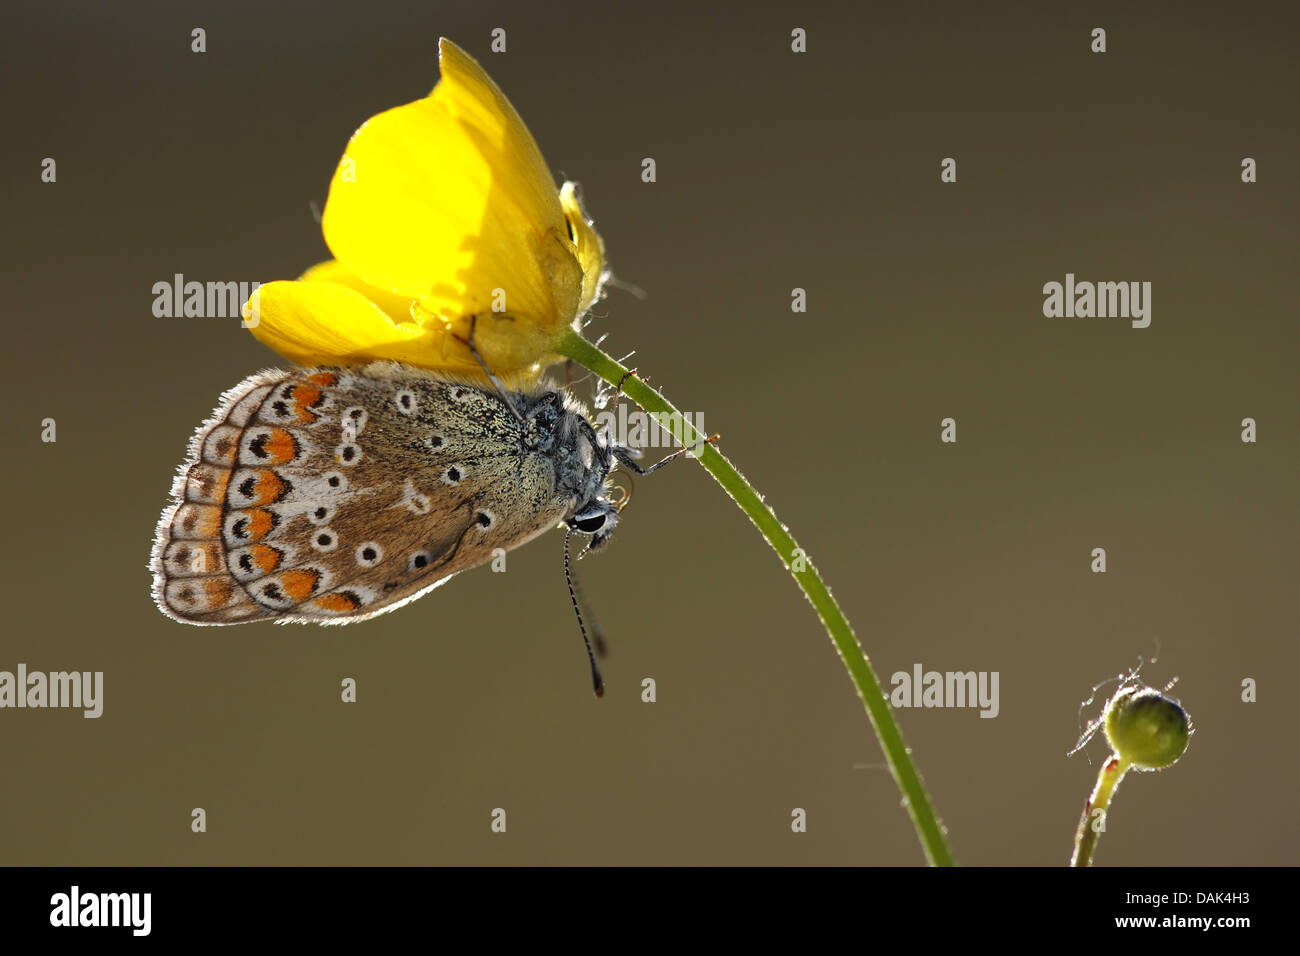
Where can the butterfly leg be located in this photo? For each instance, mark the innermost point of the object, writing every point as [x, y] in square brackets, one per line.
[469, 343]
[626, 457]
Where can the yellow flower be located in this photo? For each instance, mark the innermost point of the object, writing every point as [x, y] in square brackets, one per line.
[439, 211]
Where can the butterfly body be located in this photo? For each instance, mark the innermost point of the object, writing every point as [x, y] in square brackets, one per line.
[331, 495]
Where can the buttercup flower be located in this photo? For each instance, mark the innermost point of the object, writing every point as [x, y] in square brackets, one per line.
[440, 212]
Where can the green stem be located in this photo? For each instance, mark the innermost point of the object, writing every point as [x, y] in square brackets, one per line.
[915, 798]
[1093, 822]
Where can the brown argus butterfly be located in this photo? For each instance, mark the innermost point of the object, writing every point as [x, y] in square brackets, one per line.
[331, 495]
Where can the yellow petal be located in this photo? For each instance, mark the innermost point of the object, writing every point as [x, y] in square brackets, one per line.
[398, 307]
[590, 247]
[447, 201]
[325, 323]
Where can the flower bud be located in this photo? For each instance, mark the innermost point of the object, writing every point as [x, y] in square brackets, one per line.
[1147, 728]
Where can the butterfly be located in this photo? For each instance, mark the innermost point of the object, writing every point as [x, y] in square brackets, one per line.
[331, 495]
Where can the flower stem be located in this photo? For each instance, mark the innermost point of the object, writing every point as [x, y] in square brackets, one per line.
[1090, 829]
[915, 798]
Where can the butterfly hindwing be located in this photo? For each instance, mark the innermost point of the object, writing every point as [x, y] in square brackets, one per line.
[332, 495]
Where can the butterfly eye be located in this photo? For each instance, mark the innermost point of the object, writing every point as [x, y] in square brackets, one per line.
[589, 525]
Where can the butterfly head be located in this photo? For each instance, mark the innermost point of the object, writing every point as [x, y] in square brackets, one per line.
[597, 519]
[556, 427]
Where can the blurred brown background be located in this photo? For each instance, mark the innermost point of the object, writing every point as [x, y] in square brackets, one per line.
[775, 170]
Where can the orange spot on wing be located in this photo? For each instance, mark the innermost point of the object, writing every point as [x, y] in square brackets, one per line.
[269, 488]
[266, 558]
[299, 584]
[305, 398]
[280, 446]
[342, 603]
[260, 523]
[218, 591]
[210, 524]
[323, 379]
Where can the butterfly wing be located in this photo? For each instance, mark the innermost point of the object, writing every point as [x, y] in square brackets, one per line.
[333, 495]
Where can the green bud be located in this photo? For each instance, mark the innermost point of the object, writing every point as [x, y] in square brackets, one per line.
[1146, 728]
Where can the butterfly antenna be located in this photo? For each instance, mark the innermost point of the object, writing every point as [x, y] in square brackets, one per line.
[588, 616]
[597, 682]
